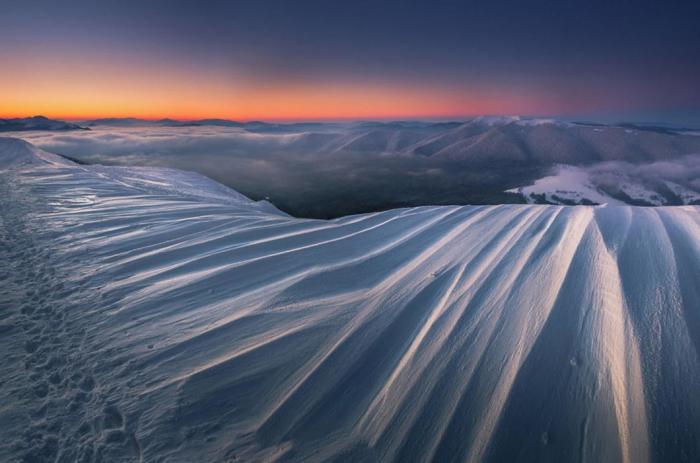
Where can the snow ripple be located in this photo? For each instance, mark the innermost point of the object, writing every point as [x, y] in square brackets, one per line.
[217, 328]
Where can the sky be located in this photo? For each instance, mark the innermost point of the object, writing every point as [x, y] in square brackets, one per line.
[302, 60]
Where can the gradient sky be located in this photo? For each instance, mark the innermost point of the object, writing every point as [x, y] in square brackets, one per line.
[355, 59]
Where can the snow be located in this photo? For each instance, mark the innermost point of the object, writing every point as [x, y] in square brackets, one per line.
[19, 153]
[154, 315]
[639, 192]
[494, 121]
[569, 183]
[687, 195]
[611, 183]
[533, 122]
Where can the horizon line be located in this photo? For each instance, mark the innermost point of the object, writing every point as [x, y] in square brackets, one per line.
[418, 117]
[588, 118]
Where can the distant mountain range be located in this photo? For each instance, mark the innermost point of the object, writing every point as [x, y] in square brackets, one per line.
[486, 140]
[479, 140]
[253, 126]
[484, 137]
[36, 123]
[482, 160]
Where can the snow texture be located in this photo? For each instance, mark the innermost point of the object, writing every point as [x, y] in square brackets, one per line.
[153, 315]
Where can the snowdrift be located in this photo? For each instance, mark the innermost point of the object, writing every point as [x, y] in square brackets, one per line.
[154, 315]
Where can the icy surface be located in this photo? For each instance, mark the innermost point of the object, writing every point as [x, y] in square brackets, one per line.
[153, 315]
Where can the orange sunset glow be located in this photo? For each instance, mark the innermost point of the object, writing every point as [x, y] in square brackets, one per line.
[91, 85]
[226, 61]
[88, 90]
[183, 102]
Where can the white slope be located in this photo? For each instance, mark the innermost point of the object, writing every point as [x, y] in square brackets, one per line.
[608, 183]
[17, 153]
[151, 315]
[568, 184]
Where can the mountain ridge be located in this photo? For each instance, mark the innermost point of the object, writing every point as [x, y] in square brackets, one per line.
[176, 323]
[37, 123]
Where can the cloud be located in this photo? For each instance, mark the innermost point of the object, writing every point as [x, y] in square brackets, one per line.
[297, 171]
[306, 174]
[682, 170]
[115, 142]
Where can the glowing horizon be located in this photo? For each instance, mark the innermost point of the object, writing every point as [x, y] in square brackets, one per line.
[180, 100]
[312, 60]
[89, 87]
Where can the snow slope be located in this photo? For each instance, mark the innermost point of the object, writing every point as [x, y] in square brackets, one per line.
[616, 184]
[153, 315]
[567, 185]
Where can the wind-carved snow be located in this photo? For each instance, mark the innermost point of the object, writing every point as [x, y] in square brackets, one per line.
[156, 315]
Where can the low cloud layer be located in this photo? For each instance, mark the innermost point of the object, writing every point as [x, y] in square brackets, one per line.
[298, 176]
[304, 175]
[684, 170]
[669, 182]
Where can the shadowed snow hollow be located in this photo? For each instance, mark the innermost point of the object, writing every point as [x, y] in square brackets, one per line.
[155, 315]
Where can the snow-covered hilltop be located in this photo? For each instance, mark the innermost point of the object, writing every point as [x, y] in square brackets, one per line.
[153, 314]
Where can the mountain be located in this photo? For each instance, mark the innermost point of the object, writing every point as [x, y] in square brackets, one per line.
[253, 126]
[118, 122]
[480, 141]
[550, 142]
[152, 314]
[36, 123]
[616, 183]
[218, 122]
[486, 140]
[135, 122]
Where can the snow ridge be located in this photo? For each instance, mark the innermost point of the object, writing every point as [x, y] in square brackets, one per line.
[178, 322]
